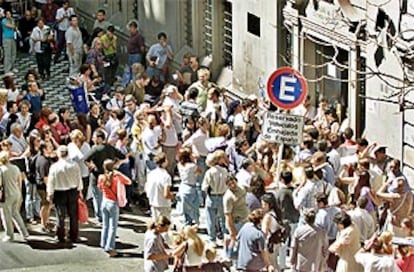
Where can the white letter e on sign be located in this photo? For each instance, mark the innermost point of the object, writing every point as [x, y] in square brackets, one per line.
[284, 88]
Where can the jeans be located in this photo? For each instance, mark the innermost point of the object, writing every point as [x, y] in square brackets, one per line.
[283, 249]
[134, 58]
[9, 46]
[128, 76]
[214, 211]
[232, 250]
[152, 71]
[201, 163]
[32, 201]
[96, 198]
[110, 216]
[140, 170]
[67, 201]
[10, 212]
[191, 204]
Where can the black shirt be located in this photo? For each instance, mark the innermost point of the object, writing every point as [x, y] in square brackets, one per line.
[99, 153]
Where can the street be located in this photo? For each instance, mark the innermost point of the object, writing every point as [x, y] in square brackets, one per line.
[42, 253]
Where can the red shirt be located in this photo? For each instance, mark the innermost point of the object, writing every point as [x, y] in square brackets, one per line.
[111, 192]
[406, 264]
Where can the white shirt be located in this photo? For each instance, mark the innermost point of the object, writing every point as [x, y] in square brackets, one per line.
[215, 178]
[197, 142]
[19, 145]
[114, 103]
[377, 263]
[64, 175]
[191, 257]
[76, 154]
[39, 34]
[150, 140]
[335, 160]
[364, 222]
[24, 121]
[307, 113]
[12, 95]
[243, 178]
[171, 138]
[238, 120]
[60, 13]
[157, 180]
[115, 126]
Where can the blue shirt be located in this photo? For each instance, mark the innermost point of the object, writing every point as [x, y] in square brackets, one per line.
[8, 33]
[35, 102]
[324, 220]
[251, 242]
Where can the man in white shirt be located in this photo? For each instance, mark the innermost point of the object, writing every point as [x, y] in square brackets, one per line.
[363, 219]
[158, 188]
[16, 138]
[62, 18]
[74, 45]
[244, 176]
[197, 143]
[64, 186]
[151, 140]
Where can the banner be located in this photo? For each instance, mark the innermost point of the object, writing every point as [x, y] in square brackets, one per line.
[282, 128]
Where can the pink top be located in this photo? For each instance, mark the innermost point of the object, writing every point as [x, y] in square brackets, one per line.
[111, 192]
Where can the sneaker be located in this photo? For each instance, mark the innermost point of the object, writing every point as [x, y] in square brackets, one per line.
[7, 239]
[32, 221]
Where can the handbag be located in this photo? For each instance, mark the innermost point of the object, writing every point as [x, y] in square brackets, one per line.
[2, 190]
[45, 46]
[83, 212]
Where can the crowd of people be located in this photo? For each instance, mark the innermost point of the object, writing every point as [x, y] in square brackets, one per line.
[339, 203]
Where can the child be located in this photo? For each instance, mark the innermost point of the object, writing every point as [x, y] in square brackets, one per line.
[213, 265]
[386, 237]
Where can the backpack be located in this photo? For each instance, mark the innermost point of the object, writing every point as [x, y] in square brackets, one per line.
[31, 175]
[280, 235]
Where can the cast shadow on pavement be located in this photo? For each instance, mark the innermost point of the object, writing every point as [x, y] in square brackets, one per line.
[49, 245]
[135, 228]
[94, 239]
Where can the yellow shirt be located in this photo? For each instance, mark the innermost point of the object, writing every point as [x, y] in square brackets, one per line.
[136, 132]
[111, 49]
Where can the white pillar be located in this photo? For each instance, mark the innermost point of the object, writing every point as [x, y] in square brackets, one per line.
[296, 48]
[353, 99]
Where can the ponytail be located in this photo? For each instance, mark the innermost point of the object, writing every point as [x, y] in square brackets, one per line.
[161, 221]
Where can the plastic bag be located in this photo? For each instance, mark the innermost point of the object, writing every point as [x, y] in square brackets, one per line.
[83, 212]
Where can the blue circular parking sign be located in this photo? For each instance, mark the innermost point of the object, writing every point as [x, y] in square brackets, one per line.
[287, 88]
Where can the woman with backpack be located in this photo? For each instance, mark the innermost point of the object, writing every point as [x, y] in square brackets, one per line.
[111, 184]
[271, 222]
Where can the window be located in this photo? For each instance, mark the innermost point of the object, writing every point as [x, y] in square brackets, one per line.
[208, 27]
[253, 24]
[188, 22]
[228, 34]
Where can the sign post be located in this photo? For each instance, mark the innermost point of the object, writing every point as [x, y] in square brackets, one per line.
[286, 89]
